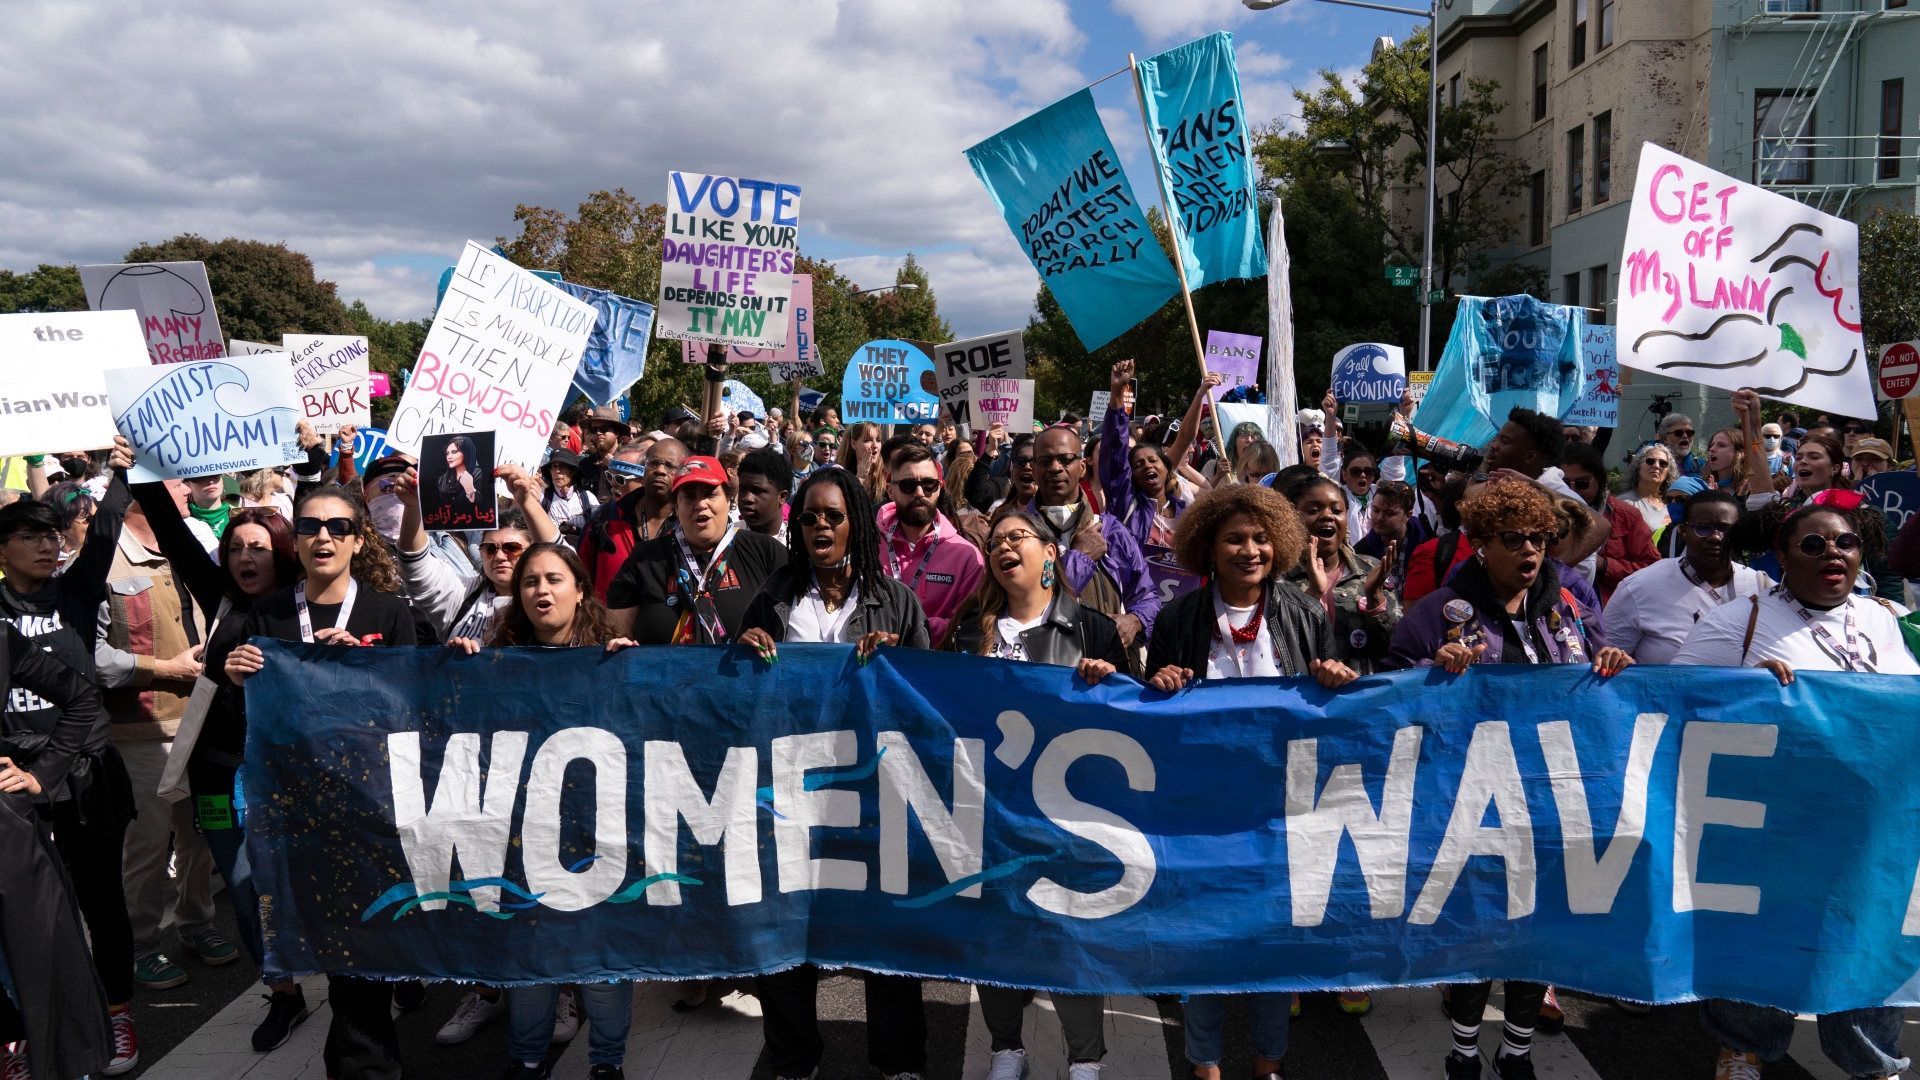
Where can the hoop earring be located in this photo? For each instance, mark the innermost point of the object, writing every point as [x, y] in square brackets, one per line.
[1046, 575]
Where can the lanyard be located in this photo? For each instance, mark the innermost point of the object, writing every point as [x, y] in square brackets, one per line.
[893, 557]
[700, 606]
[1847, 655]
[1712, 593]
[340, 620]
[1523, 628]
[693, 570]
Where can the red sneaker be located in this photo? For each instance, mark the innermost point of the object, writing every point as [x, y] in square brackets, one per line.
[126, 1047]
[13, 1062]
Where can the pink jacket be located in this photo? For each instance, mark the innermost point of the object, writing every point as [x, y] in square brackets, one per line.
[953, 568]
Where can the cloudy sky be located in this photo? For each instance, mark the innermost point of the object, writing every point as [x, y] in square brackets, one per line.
[377, 137]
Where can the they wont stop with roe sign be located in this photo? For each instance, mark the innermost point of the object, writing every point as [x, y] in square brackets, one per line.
[726, 262]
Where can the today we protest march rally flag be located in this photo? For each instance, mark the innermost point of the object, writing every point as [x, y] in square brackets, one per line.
[700, 813]
[1195, 110]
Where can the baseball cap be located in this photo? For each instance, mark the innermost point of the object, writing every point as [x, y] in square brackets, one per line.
[699, 470]
[679, 414]
[1684, 487]
[1873, 447]
[386, 466]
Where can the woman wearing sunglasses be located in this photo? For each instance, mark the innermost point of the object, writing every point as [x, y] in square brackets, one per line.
[1645, 485]
[457, 609]
[349, 595]
[1505, 606]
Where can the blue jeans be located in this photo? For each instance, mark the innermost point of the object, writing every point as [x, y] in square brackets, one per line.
[609, 1010]
[1859, 1042]
[1268, 1014]
[229, 847]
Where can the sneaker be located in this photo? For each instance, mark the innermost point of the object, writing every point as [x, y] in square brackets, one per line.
[284, 1013]
[126, 1048]
[474, 1013]
[606, 1072]
[13, 1062]
[1356, 1003]
[1552, 1021]
[1008, 1065]
[521, 1071]
[566, 1019]
[1513, 1066]
[212, 949]
[1293, 1005]
[1737, 1065]
[156, 972]
[1084, 1070]
[409, 995]
[1462, 1068]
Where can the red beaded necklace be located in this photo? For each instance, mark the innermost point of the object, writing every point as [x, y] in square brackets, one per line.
[1246, 635]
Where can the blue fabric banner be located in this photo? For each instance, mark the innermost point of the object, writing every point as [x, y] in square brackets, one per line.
[1505, 352]
[1057, 180]
[1200, 144]
[616, 353]
[522, 816]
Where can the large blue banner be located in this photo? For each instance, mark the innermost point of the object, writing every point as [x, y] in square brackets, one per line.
[525, 815]
[1056, 178]
[1201, 145]
[616, 352]
[1504, 352]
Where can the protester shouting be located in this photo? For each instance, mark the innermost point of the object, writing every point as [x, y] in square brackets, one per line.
[1141, 479]
[1102, 563]
[59, 614]
[1629, 546]
[1650, 615]
[639, 506]
[860, 454]
[455, 608]
[349, 595]
[1349, 586]
[919, 546]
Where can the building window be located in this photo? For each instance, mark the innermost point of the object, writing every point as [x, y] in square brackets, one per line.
[1597, 292]
[1602, 158]
[1540, 83]
[1572, 290]
[1537, 211]
[1891, 93]
[1576, 169]
[1606, 23]
[1579, 39]
[1781, 156]
[1793, 7]
[1453, 92]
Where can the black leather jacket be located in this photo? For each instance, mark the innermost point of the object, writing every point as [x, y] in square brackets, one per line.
[1068, 634]
[1183, 634]
[892, 608]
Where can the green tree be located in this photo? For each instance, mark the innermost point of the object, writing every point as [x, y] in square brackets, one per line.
[392, 347]
[260, 290]
[1889, 278]
[48, 288]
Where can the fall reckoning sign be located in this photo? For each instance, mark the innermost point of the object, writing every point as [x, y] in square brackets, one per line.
[696, 812]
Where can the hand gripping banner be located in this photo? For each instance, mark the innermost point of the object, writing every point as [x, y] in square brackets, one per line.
[530, 815]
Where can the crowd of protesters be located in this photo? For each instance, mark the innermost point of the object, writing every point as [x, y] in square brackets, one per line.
[1141, 548]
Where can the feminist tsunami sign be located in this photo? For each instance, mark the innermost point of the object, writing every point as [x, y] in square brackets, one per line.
[207, 416]
[1734, 286]
[889, 382]
[1193, 103]
[1369, 372]
[695, 813]
[726, 265]
[1056, 179]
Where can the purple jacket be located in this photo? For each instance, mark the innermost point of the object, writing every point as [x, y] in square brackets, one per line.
[1134, 510]
[1426, 626]
[1124, 561]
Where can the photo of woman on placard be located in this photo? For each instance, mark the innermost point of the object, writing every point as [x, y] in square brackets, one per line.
[462, 493]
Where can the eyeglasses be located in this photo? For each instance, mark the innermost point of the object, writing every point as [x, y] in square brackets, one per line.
[1010, 540]
[654, 463]
[1680, 433]
[1514, 541]
[925, 486]
[1063, 460]
[1851, 429]
[825, 444]
[814, 519]
[1704, 529]
[1023, 461]
[1479, 478]
[1655, 463]
[36, 539]
[622, 479]
[1813, 545]
[338, 528]
[1356, 470]
[511, 549]
[1579, 483]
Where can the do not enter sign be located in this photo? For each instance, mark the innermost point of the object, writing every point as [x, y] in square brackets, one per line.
[1899, 370]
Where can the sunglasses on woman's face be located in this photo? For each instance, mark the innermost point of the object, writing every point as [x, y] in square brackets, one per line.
[1514, 541]
[814, 519]
[1579, 483]
[339, 528]
[511, 549]
[1813, 545]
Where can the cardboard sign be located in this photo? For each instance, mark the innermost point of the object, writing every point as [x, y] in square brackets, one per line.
[172, 300]
[1008, 402]
[209, 416]
[237, 347]
[726, 265]
[1599, 403]
[1899, 370]
[1235, 356]
[1369, 372]
[1097, 410]
[798, 351]
[332, 375]
[456, 481]
[1002, 356]
[737, 397]
[53, 389]
[889, 382]
[1731, 285]
[500, 357]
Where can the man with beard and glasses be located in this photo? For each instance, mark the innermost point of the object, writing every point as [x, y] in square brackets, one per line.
[1652, 612]
[1105, 568]
[919, 546]
[639, 509]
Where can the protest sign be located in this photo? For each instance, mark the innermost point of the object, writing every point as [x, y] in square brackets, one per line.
[1170, 579]
[1514, 351]
[1599, 402]
[1003, 356]
[53, 389]
[726, 264]
[378, 383]
[332, 375]
[889, 382]
[200, 417]
[1193, 105]
[1369, 372]
[1225, 811]
[1897, 494]
[1097, 409]
[500, 357]
[369, 445]
[237, 347]
[1056, 179]
[1008, 402]
[799, 350]
[456, 481]
[1899, 374]
[616, 354]
[1236, 357]
[1731, 285]
[172, 300]
[737, 397]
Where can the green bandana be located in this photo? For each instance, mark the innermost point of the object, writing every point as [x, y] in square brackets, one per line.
[215, 516]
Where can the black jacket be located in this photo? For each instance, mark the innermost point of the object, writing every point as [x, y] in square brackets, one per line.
[1183, 633]
[1069, 634]
[892, 608]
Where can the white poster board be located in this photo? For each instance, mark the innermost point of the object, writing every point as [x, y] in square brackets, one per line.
[1599, 402]
[174, 303]
[726, 263]
[53, 390]
[235, 414]
[500, 357]
[1733, 286]
[333, 377]
[1000, 356]
[1097, 410]
[237, 347]
[1007, 402]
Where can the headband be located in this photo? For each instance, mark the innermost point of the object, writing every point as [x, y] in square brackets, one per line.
[627, 468]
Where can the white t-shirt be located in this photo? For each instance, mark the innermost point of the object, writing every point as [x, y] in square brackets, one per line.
[811, 622]
[1008, 644]
[1654, 609]
[478, 621]
[1229, 659]
[1781, 634]
[1651, 511]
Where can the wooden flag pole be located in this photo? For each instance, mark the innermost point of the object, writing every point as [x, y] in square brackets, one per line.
[1180, 268]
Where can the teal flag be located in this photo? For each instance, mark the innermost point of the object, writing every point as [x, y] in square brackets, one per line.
[1200, 144]
[1057, 180]
[1504, 352]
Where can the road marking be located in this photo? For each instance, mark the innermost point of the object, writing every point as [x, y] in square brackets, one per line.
[222, 1048]
[1136, 1041]
[1411, 1037]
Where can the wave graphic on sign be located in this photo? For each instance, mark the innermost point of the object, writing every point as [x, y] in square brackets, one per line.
[199, 411]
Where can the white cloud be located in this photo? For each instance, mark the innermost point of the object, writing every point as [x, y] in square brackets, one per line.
[1164, 19]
